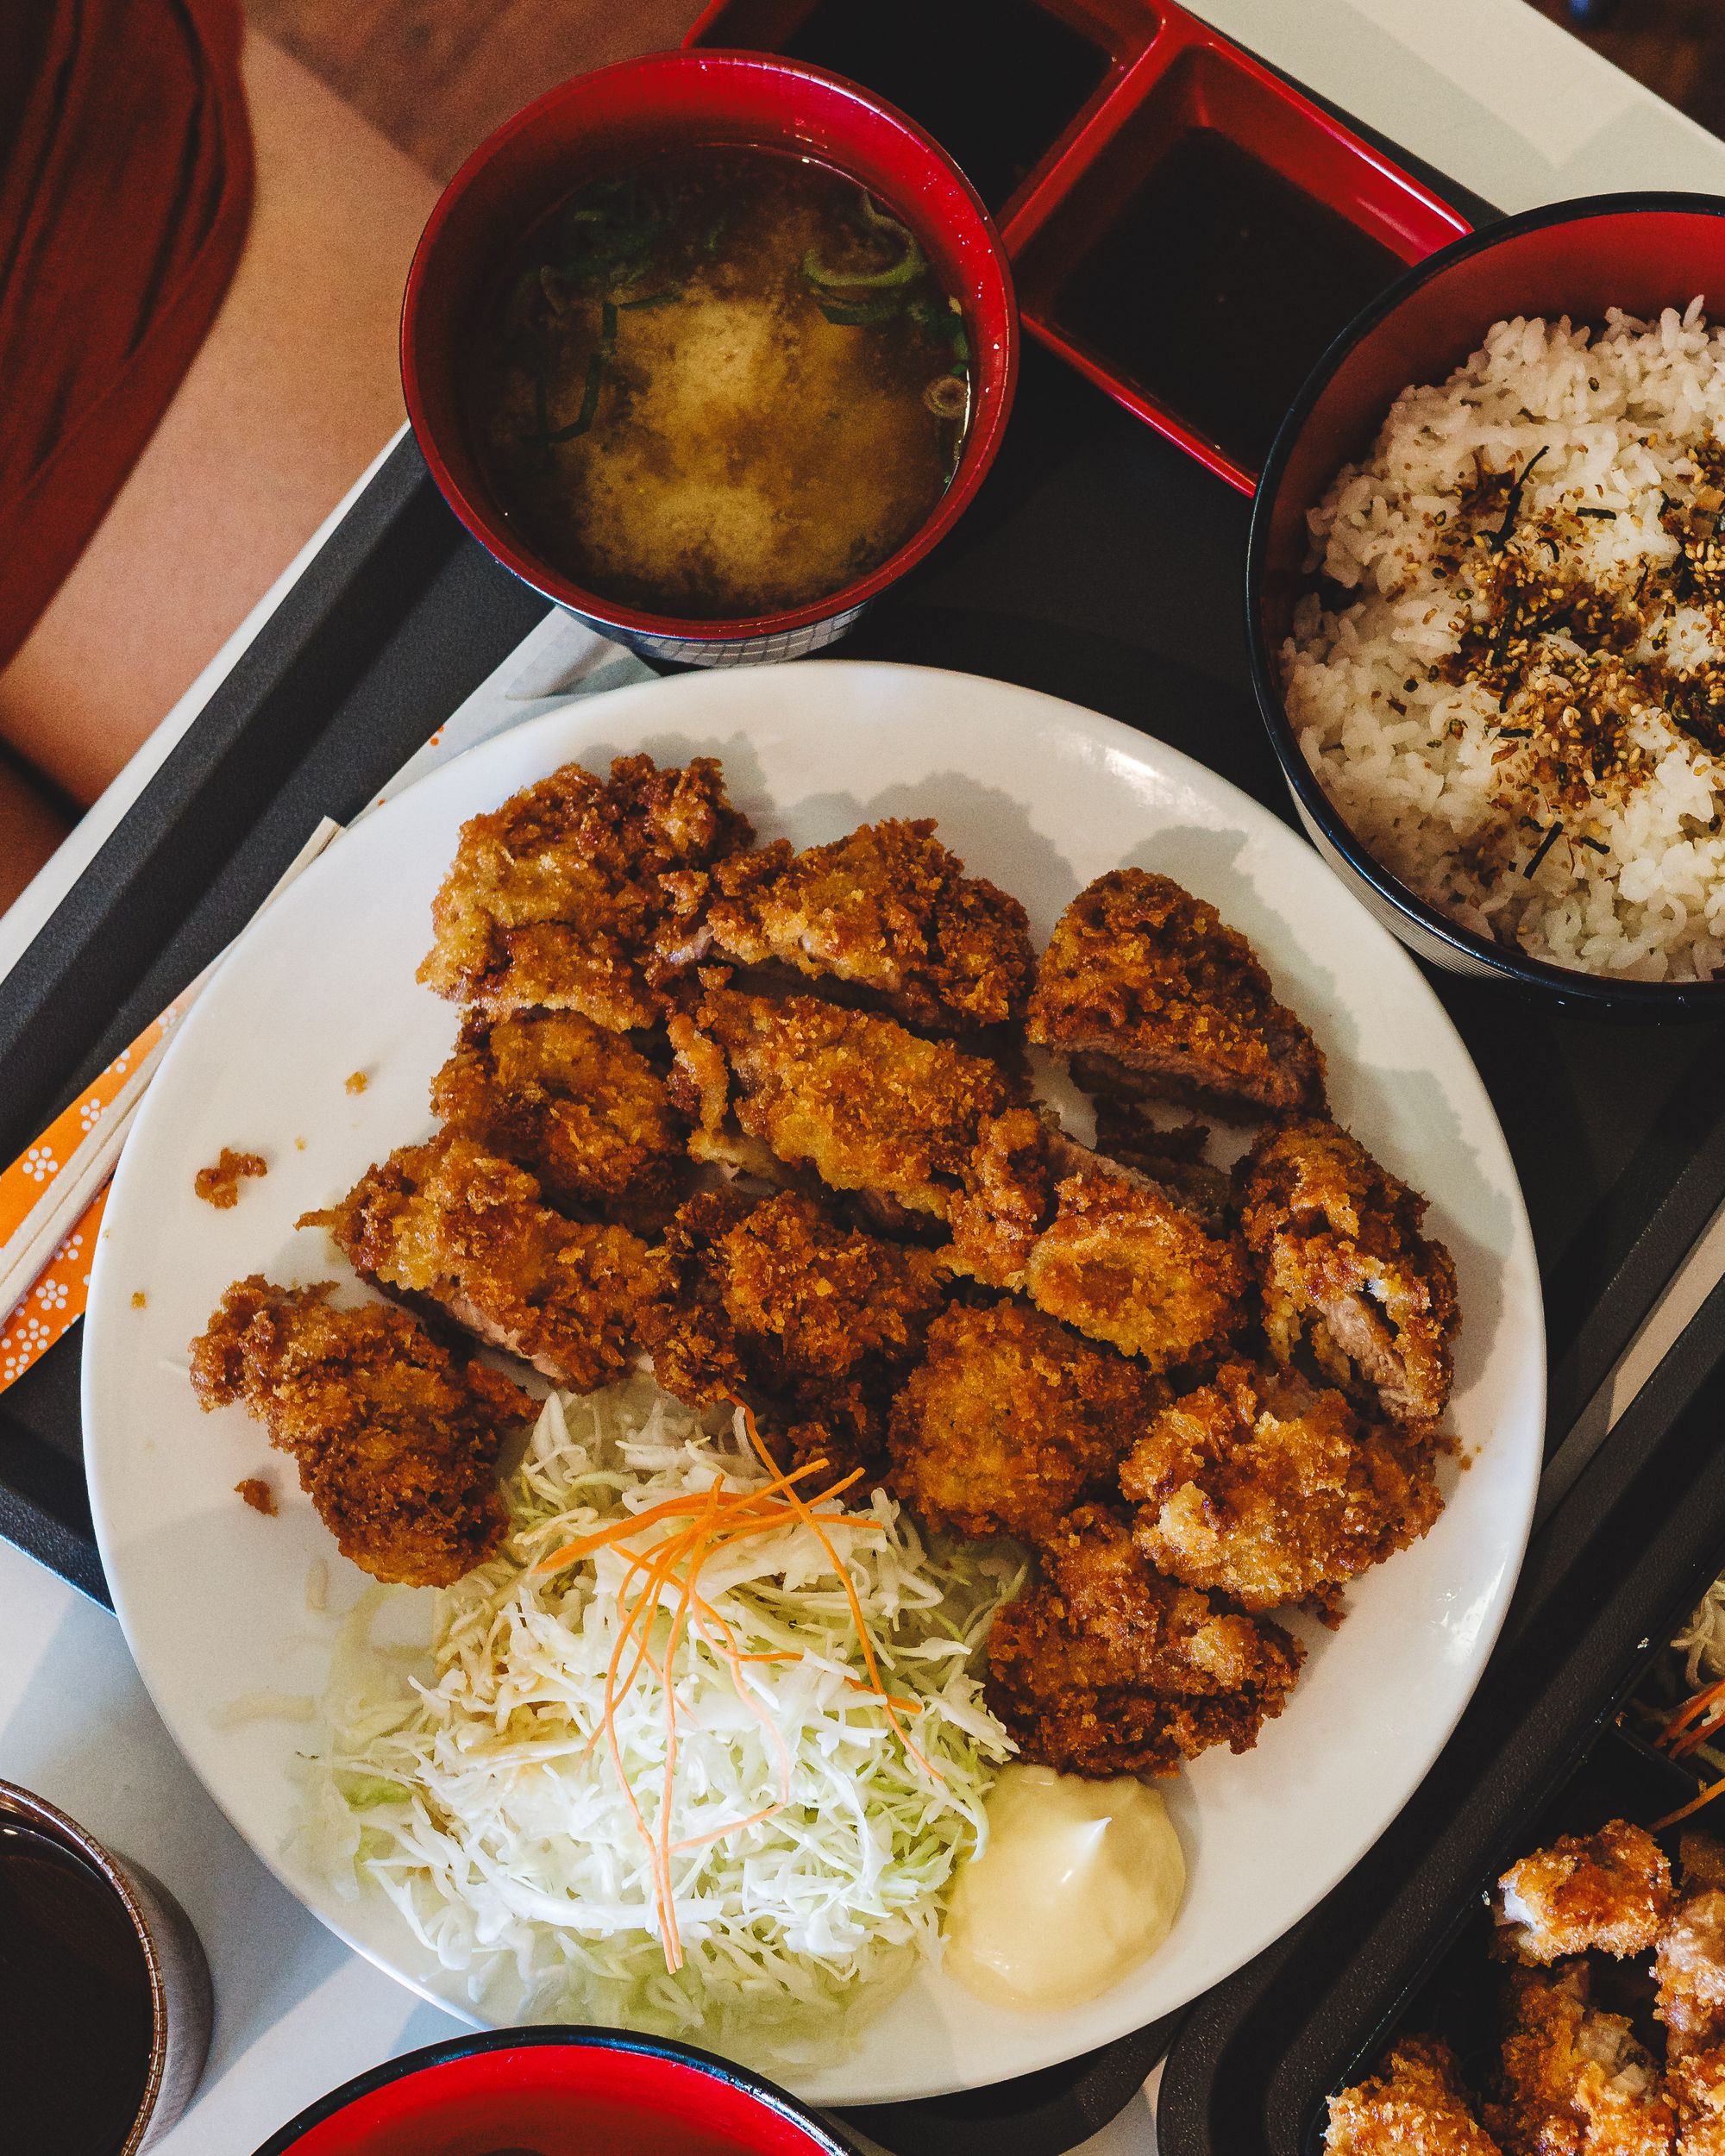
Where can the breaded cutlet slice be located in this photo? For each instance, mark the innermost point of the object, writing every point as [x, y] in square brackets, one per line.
[1609, 1893]
[1270, 1490]
[553, 899]
[580, 1107]
[396, 1438]
[1115, 1254]
[1345, 1273]
[454, 1225]
[778, 1303]
[1148, 991]
[887, 908]
[1104, 1668]
[1414, 2105]
[866, 1104]
[1571, 2077]
[1011, 1418]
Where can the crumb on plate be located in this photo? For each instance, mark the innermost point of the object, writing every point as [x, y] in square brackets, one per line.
[357, 1081]
[139, 1299]
[258, 1494]
[220, 1185]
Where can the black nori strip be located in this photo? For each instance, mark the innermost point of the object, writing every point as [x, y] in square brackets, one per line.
[1500, 538]
[1544, 847]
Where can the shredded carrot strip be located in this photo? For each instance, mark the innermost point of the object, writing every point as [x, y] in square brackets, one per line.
[1670, 1819]
[697, 1548]
[1697, 1704]
[617, 1530]
[730, 1827]
[846, 1581]
[1694, 1738]
[711, 1522]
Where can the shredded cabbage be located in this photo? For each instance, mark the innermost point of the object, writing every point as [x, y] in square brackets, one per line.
[474, 1786]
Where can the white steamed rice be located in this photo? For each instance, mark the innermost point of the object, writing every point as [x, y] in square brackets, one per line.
[1416, 762]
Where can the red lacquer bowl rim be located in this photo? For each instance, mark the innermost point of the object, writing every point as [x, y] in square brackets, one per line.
[1604, 994]
[568, 2037]
[995, 297]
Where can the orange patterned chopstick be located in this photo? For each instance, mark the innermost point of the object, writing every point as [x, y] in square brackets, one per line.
[46, 1247]
[54, 1302]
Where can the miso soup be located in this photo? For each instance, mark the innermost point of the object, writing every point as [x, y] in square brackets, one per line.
[721, 384]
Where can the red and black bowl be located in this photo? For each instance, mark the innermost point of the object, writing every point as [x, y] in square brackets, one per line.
[640, 107]
[558, 2091]
[1640, 252]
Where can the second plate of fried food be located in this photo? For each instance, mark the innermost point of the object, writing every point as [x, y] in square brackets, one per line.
[1101, 1223]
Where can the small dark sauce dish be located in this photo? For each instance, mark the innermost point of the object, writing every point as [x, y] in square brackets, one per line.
[104, 1993]
[1642, 251]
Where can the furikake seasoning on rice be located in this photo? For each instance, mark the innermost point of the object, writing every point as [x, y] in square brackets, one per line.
[1510, 677]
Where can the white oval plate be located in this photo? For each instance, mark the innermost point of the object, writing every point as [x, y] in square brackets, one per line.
[1040, 796]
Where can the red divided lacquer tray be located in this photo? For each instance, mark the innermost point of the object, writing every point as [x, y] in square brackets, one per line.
[1186, 227]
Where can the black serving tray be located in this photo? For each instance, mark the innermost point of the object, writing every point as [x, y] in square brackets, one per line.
[1623, 1558]
[1098, 564]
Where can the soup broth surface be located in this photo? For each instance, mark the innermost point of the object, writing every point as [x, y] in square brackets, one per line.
[723, 384]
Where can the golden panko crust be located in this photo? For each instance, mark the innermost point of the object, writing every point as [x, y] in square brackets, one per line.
[1414, 2105]
[395, 1437]
[1269, 1490]
[580, 1108]
[1610, 1892]
[1104, 1669]
[553, 900]
[448, 1222]
[1150, 992]
[1345, 1273]
[1011, 1418]
[887, 908]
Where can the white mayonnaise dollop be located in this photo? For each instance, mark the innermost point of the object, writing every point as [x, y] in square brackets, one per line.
[1079, 1882]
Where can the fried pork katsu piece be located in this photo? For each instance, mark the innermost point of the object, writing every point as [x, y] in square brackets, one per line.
[1011, 1418]
[453, 1223]
[867, 1104]
[1345, 1270]
[1270, 1491]
[1150, 993]
[1173, 1157]
[1104, 1669]
[1114, 1253]
[1689, 1965]
[580, 1108]
[887, 908]
[1610, 1891]
[1414, 2106]
[553, 900]
[1572, 2080]
[812, 1324]
[1696, 2085]
[396, 1438]
[1701, 1860]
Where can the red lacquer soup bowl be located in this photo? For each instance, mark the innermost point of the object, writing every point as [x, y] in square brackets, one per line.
[618, 115]
[1642, 252]
[557, 2092]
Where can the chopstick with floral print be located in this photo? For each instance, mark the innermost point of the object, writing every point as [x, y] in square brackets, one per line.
[53, 1196]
